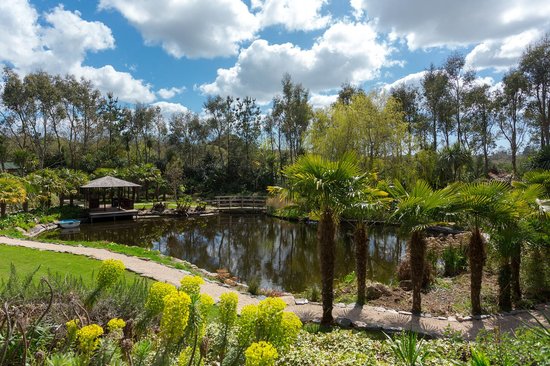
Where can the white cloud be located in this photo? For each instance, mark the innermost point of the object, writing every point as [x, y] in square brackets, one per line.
[431, 23]
[189, 27]
[170, 93]
[321, 100]
[168, 109]
[413, 80]
[59, 46]
[501, 54]
[294, 15]
[346, 52]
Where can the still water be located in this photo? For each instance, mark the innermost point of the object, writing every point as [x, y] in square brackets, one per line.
[281, 254]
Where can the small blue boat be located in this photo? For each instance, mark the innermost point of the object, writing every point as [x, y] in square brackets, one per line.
[68, 224]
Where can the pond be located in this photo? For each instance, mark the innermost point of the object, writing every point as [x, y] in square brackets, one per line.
[281, 254]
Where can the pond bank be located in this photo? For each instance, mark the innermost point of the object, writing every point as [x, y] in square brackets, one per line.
[366, 317]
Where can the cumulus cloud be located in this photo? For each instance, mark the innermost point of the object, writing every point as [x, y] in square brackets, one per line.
[59, 45]
[346, 52]
[501, 54]
[168, 109]
[170, 93]
[294, 15]
[321, 100]
[430, 23]
[413, 80]
[188, 27]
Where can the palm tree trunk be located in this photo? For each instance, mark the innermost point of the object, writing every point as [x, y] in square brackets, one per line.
[515, 269]
[477, 261]
[325, 237]
[361, 261]
[504, 293]
[417, 254]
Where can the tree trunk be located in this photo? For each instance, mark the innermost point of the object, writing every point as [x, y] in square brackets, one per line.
[325, 237]
[26, 206]
[515, 275]
[361, 261]
[417, 254]
[2, 209]
[504, 293]
[61, 200]
[477, 261]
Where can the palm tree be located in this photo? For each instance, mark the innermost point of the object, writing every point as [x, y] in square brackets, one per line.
[481, 205]
[417, 209]
[326, 188]
[370, 203]
[12, 192]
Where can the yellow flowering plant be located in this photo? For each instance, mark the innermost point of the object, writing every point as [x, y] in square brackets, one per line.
[88, 338]
[72, 329]
[191, 284]
[261, 354]
[174, 317]
[116, 324]
[155, 299]
[110, 272]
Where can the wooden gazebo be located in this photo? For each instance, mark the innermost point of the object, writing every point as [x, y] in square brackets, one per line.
[110, 197]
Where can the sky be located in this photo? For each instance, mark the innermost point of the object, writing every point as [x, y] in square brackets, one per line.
[175, 53]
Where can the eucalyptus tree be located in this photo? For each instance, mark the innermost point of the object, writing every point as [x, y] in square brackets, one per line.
[418, 208]
[325, 188]
[459, 80]
[535, 66]
[512, 102]
[435, 91]
[409, 98]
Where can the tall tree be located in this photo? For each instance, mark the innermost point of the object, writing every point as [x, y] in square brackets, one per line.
[459, 80]
[434, 90]
[512, 122]
[535, 65]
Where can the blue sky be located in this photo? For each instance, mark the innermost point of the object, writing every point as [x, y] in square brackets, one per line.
[174, 53]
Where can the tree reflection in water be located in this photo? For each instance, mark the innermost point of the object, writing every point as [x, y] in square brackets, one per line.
[282, 254]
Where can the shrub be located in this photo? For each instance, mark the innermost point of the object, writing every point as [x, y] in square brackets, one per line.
[455, 259]
[174, 317]
[191, 284]
[254, 286]
[88, 338]
[156, 295]
[261, 354]
[110, 272]
[116, 324]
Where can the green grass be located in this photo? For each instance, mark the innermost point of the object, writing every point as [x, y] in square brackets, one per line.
[27, 260]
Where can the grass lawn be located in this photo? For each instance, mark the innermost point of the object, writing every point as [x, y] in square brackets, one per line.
[27, 260]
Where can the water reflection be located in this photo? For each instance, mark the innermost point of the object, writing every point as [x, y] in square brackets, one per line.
[281, 254]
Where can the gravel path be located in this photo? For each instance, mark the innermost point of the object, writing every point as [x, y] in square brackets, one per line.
[367, 317]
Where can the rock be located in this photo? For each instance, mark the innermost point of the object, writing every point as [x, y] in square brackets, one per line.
[452, 319]
[301, 301]
[379, 308]
[343, 322]
[402, 312]
[351, 306]
[375, 291]
[261, 297]
[441, 318]
[464, 319]
[427, 315]
[230, 282]
[360, 325]
[340, 305]
[406, 285]
[392, 311]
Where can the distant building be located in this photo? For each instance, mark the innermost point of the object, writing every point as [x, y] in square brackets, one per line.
[9, 167]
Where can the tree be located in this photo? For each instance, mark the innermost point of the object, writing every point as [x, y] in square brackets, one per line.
[174, 175]
[408, 98]
[535, 66]
[481, 205]
[459, 80]
[434, 90]
[511, 121]
[416, 209]
[324, 187]
[12, 192]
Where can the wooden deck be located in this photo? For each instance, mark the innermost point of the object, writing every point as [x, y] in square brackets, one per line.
[111, 212]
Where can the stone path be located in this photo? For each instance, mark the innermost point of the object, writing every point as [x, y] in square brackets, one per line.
[367, 317]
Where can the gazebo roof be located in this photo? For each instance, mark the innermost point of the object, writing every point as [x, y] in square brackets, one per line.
[109, 182]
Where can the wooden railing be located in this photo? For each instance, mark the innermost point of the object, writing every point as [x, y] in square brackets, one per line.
[239, 202]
